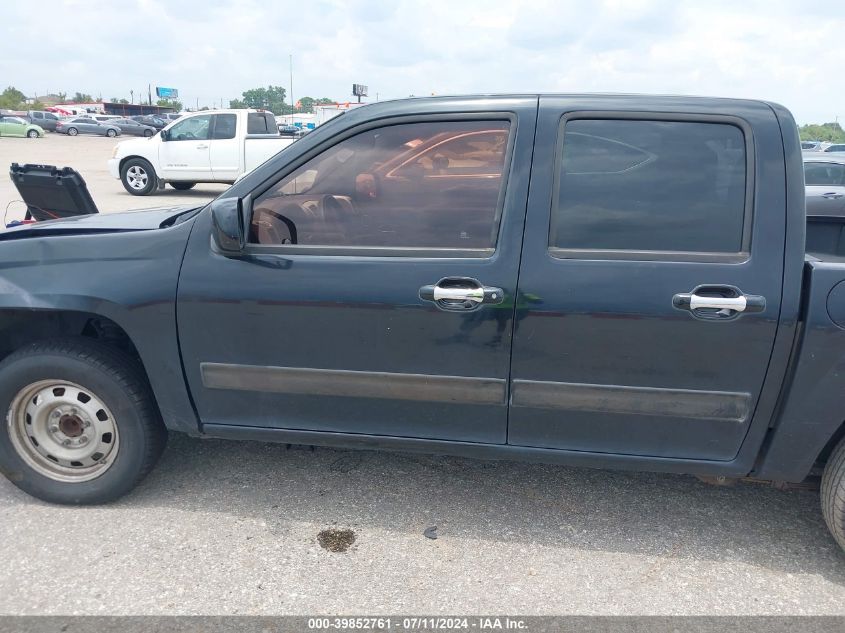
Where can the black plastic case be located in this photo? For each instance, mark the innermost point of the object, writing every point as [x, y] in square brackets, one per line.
[50, 192]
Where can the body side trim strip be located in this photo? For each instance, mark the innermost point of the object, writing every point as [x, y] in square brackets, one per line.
[360, 384]
[682, 403]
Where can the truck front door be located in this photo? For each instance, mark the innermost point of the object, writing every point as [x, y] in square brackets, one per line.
[375, 295]
[650, 284]
[184, 156]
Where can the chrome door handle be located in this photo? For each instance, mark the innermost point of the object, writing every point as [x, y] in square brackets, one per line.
[202, 146]
[718, 302]
[460, 293]
[832, 195]
[476, 295]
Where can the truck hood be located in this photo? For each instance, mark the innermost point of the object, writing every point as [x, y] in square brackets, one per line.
[143, 220]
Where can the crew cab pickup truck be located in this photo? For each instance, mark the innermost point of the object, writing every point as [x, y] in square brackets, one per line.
[606, 281]
[208, 146]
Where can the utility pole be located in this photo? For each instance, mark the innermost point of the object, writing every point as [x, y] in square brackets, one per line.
[131, 96]
[291, 89]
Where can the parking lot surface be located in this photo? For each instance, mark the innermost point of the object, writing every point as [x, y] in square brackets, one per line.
[232, 528]
[89, 156]
[239, 528]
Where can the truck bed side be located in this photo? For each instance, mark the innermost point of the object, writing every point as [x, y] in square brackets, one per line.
[813, 398]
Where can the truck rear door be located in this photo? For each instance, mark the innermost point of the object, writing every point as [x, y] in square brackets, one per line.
[226, 146]
[650, 283]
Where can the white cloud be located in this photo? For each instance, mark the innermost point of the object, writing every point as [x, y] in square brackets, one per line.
[214, 49]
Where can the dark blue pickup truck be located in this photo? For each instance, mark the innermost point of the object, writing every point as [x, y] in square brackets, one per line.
[607, 281]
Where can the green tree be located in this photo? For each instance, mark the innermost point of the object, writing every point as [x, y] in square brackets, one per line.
[81, 97]
[831, 132]
[12, 99]
[170, 103]
[237, 104]
[270, 98]
[62, 97]
[306, 104]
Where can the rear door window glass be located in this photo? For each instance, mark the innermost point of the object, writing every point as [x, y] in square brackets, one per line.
[666, 186]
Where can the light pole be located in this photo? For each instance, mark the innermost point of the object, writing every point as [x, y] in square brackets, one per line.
[291, 89]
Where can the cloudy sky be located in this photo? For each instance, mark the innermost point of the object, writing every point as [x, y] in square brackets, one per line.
[211, 50]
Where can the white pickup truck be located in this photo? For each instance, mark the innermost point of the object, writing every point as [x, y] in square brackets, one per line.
[208, 146]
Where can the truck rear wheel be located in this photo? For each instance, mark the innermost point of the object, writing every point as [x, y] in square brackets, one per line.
[81, 424]
[182, 186]
[138, 177]
[833, 493]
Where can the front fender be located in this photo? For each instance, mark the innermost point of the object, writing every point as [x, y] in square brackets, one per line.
[127, 277]
[142, 147]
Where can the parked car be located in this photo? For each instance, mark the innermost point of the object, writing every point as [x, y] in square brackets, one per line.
[17, 126]
[291, 131]
[153, 121]
[172, 116]
[824, 177]
[207, 146]
[86, 125]
[105, 118]
[811, 146]
[607, 281]
[835, 147]
[133, 128]
[43, 119]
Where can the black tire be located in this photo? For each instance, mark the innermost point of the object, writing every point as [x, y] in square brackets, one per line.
[833, 493]
[131, 173]
[148, 133]
[72, 131]
[118, 381]
[111, 133]
[183, 186]
[32, 134]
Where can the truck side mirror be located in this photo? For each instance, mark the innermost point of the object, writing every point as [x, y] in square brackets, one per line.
[165, 135]
[227, 225]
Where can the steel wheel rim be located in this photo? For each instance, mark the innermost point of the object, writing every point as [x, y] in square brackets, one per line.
[32, 134]
[63, 431]
[111, 133]
[137, 177]
[72, 131]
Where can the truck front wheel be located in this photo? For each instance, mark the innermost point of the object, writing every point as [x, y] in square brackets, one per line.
[81, 424]
[138, 177]
[833, 493]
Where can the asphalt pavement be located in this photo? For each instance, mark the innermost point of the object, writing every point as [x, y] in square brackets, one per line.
[242, 528]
